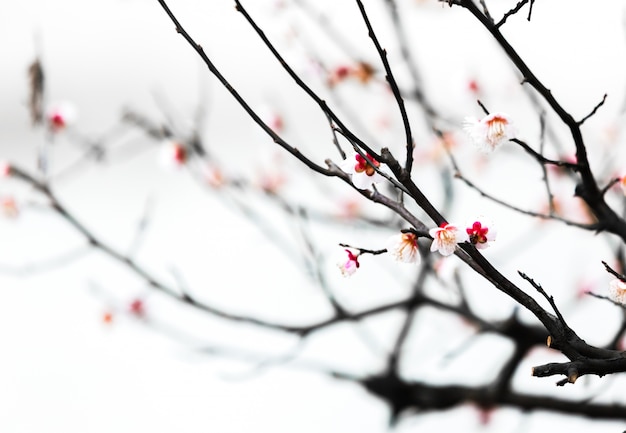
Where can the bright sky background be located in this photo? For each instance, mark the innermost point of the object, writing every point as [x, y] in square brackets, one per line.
[63, 370]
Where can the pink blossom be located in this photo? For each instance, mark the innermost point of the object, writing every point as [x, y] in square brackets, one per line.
[403, 247]
[173, 154]
[349, 267]
[481, 232]
[617, 291]
[445, 238]
[60, 115]
[363, 173]
[9, 207]
[5, 169]
[489, 132]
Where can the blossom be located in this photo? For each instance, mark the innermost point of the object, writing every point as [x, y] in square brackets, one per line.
[481, 232]
[363, 173]
[60, 115]
[403, 247]
[617, 291]
[5, 169]
[349, 267]
[137, 307]
[9, 207]
[489, 132]
[445, 238]
[173, 154]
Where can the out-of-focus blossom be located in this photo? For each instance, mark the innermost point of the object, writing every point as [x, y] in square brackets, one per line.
[362, 72]
[445, 238]
[403, 247]
[107, 317]
[272, 118]
[481, 232]
[60, 115]
[5, 169]
[213, 176]
[137, 308]
[271, 182]
[489, 132]
[350, 265]
[363, 173]
[617, 291]
[473, 86]
[9, 207]
[350, 208]
[173, 154]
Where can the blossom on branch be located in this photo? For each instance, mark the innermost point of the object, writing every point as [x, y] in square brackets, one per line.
[349, 267]
[617, 291]
[60, 115]
[173, 154]
[363, 173]
[489, 132]
[403, 247]
[481, 232]
[445, 238]
[5, 169]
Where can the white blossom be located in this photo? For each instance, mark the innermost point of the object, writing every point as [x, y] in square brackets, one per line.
[489, 132]
[445, 238]
[403, 247]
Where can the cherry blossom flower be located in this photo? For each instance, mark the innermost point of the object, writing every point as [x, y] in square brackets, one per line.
[481, 232]
[617, 291]
[9, 207]
[5, 169]
[272, 118]
[349, 267]
[445, 238]
[403, 247]
[173, 154]
[363, 173]
[60, 115]
[489, 132]
[137, 308]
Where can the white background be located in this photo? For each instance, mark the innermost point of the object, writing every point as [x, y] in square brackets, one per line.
[63, 370]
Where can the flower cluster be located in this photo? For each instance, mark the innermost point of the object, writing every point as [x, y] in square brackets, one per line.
[490, 131]
[362, 170]
[403, 246]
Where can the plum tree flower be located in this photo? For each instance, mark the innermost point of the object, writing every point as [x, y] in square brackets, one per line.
[173, 154]
[60, 115]
[403, 247]
[445, 238]
[617, 291]
[489, 132]
[9, 207]
[349, 267]
[5, 169]
[363, 173]
[481, 232]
